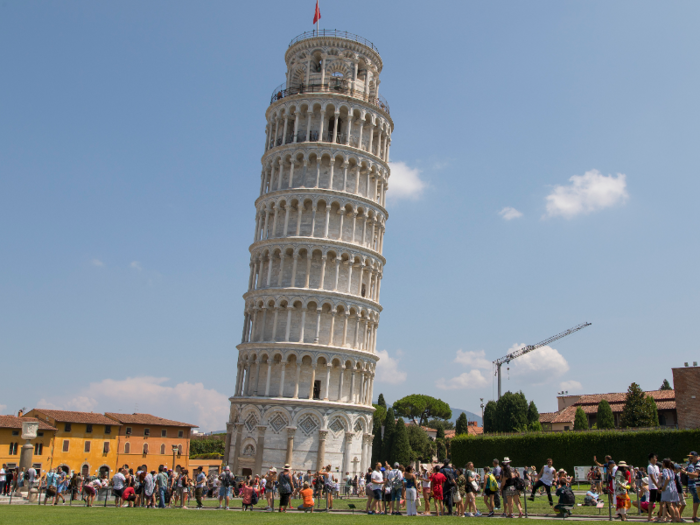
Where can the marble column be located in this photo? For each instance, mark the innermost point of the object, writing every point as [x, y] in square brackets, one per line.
[313, 379]
[283, 365]
[237, 448]
[290, 445]
[321, 455]
[260, 448]
[296, 382]
[329, 367]
[348, 451]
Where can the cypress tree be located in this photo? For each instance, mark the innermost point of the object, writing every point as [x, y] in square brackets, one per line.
[462, 425]
[402, 446]
[388, 442]
[666, 385]
[604, 417]
[511, 412]
[381, 402]
[376, 440]
[653, 412]
[533, 416]
[580, 420]
[490, 417]
[440, 434]
[441, 450]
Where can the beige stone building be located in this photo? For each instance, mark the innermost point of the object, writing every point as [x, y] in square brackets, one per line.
[307, 356]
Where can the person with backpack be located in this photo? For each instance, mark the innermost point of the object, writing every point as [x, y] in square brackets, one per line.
[448, 487]
[270, 483]
[566, 498]
[394, 482]
[286, 488]
[225, 483]
[520, 486]
[490, 489]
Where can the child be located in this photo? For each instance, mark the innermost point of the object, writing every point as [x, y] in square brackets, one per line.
[248, 492]
[307, 495]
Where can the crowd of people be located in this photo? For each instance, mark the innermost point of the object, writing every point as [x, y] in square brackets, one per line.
[658, 490]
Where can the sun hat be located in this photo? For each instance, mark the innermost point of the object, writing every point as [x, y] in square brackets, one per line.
[226, 468]
[622, 464]
[396, 465]
[286, 466]
[506, 459]
[273, 470]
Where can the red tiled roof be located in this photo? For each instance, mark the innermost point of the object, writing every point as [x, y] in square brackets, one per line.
[547, 417]
[565, 416]
[16, 422]
[594, 399]
[146, 419]
[475, 431]
[66, 416]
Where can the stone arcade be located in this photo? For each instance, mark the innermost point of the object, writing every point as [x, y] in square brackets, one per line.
[307, 358]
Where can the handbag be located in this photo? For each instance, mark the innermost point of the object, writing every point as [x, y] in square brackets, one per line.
[457, 498]
[475, 486]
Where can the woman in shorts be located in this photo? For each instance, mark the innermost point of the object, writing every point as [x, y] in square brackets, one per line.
[425, 485]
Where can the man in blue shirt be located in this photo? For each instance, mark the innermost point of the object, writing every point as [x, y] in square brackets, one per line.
[693, 470]
[199, 489]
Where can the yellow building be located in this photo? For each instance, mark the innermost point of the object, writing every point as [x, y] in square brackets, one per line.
[149, 440]
[11, 442]
[84, 441]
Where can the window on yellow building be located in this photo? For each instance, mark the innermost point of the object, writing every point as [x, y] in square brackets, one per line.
[128, 431]
[180, 433]
[66, 443]
[105, 447]
[88, 428]
[163, 433]
[127, 448]
[66, 427]
[15, 432]
[145, 448]
[108, 429]
[179, 450]
[13, 449]
[162, 448]
[87, 446]
[38, 449]
[146, 431]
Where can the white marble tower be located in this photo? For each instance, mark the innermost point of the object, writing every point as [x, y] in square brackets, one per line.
[308, 353]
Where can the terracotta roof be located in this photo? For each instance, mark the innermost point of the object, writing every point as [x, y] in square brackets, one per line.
[66, 416]
[475, 431]
[619, 397]
[450, 433]
[16, 422]
[546, 417]
[146, 419]
[565, 416]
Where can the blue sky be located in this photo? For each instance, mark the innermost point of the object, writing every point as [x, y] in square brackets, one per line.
[131, 136]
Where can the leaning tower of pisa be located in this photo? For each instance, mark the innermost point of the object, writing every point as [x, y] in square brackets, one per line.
[307, 357]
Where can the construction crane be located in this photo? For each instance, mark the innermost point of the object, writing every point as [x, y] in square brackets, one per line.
[527, 349]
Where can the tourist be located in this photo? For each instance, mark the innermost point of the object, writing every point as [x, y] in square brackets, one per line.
[692, 471]
[128, 496]
[184, 488]
[368, 489]
[286, 488]
[546, 478]
[623, 481]
[643, 497]
[270, 482]
[448, 487]
[248, 496]
[436, 481]
[425, 486]
[307, 496]
[497, 471]
[377, 488]
[162, 486]
[91, 489]
[394, 482]
[3, 479]
[201, 481]
[460, 493]
[654, 479]
[566, 498]
[669, 492]
[679, 486]
[51, 486]
[149, 489]
[118, 485]
[225, 482]
[471, 488]
[490, 488]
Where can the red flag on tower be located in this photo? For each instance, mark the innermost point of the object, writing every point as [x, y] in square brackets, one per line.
[317, 13]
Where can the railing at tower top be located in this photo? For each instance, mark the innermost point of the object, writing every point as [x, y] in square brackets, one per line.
[335, 34]
[335, 85]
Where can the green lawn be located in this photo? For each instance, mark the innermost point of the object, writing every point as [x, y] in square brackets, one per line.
[79, 515]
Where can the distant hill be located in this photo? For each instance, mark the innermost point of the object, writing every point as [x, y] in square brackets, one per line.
[471, 416]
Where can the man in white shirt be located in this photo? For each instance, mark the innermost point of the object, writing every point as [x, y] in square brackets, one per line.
[377, 487]
[118, 483]
[654, 474]
[546, 478]
[3, 478]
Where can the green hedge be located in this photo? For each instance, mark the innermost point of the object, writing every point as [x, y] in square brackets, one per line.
[569, 449]
[207, 445]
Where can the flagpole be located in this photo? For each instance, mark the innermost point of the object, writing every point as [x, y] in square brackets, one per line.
[318, 21]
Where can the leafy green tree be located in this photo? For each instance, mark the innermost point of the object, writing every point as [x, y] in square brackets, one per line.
[666, 385]
[636, 413]
[377, 442]
[207, 445]
[532, 414]
[439, 423]
[420, 443]
[490, 417]
[653, 412]
[535, 426]
[380, 412]
[462, 425]
[420, 408]
[381, 402]
[511, 412]
[402, 446]
[604, 416]
[580, 420]
[388, 441]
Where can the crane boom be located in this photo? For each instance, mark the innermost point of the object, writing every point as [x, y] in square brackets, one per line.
[527, 349]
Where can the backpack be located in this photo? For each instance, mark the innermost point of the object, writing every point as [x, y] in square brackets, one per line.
[284, 486]
[588, 501]
[254, 498]
[227, 480]
[397, 481]
[26, 476]
[567, 497]
[491, 483]
[519, 484]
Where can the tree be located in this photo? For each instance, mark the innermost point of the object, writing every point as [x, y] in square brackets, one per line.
[440, 434]
[402, 446]
[420, 444]
[666, 385]
[636, 413]
[462, 426]
[535, 426]
[653, 412]
[439, 423]
[511, 412]
[580, 420]
[441, 451]
[380, 412]
[420, 408]
[381, 402]
[388, 441]
[490, 417]
[533, 416]
[604, 417]
[377, 440]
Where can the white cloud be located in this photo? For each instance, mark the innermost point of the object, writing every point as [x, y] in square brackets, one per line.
[388, 369]
[473, 359]
[188, 402]
[541, 364]
[571, 385]
[587, 193]
[97, 262]
[2, 408]
[472, 379]
[405, 182]
[136, 266]
[509, 213]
